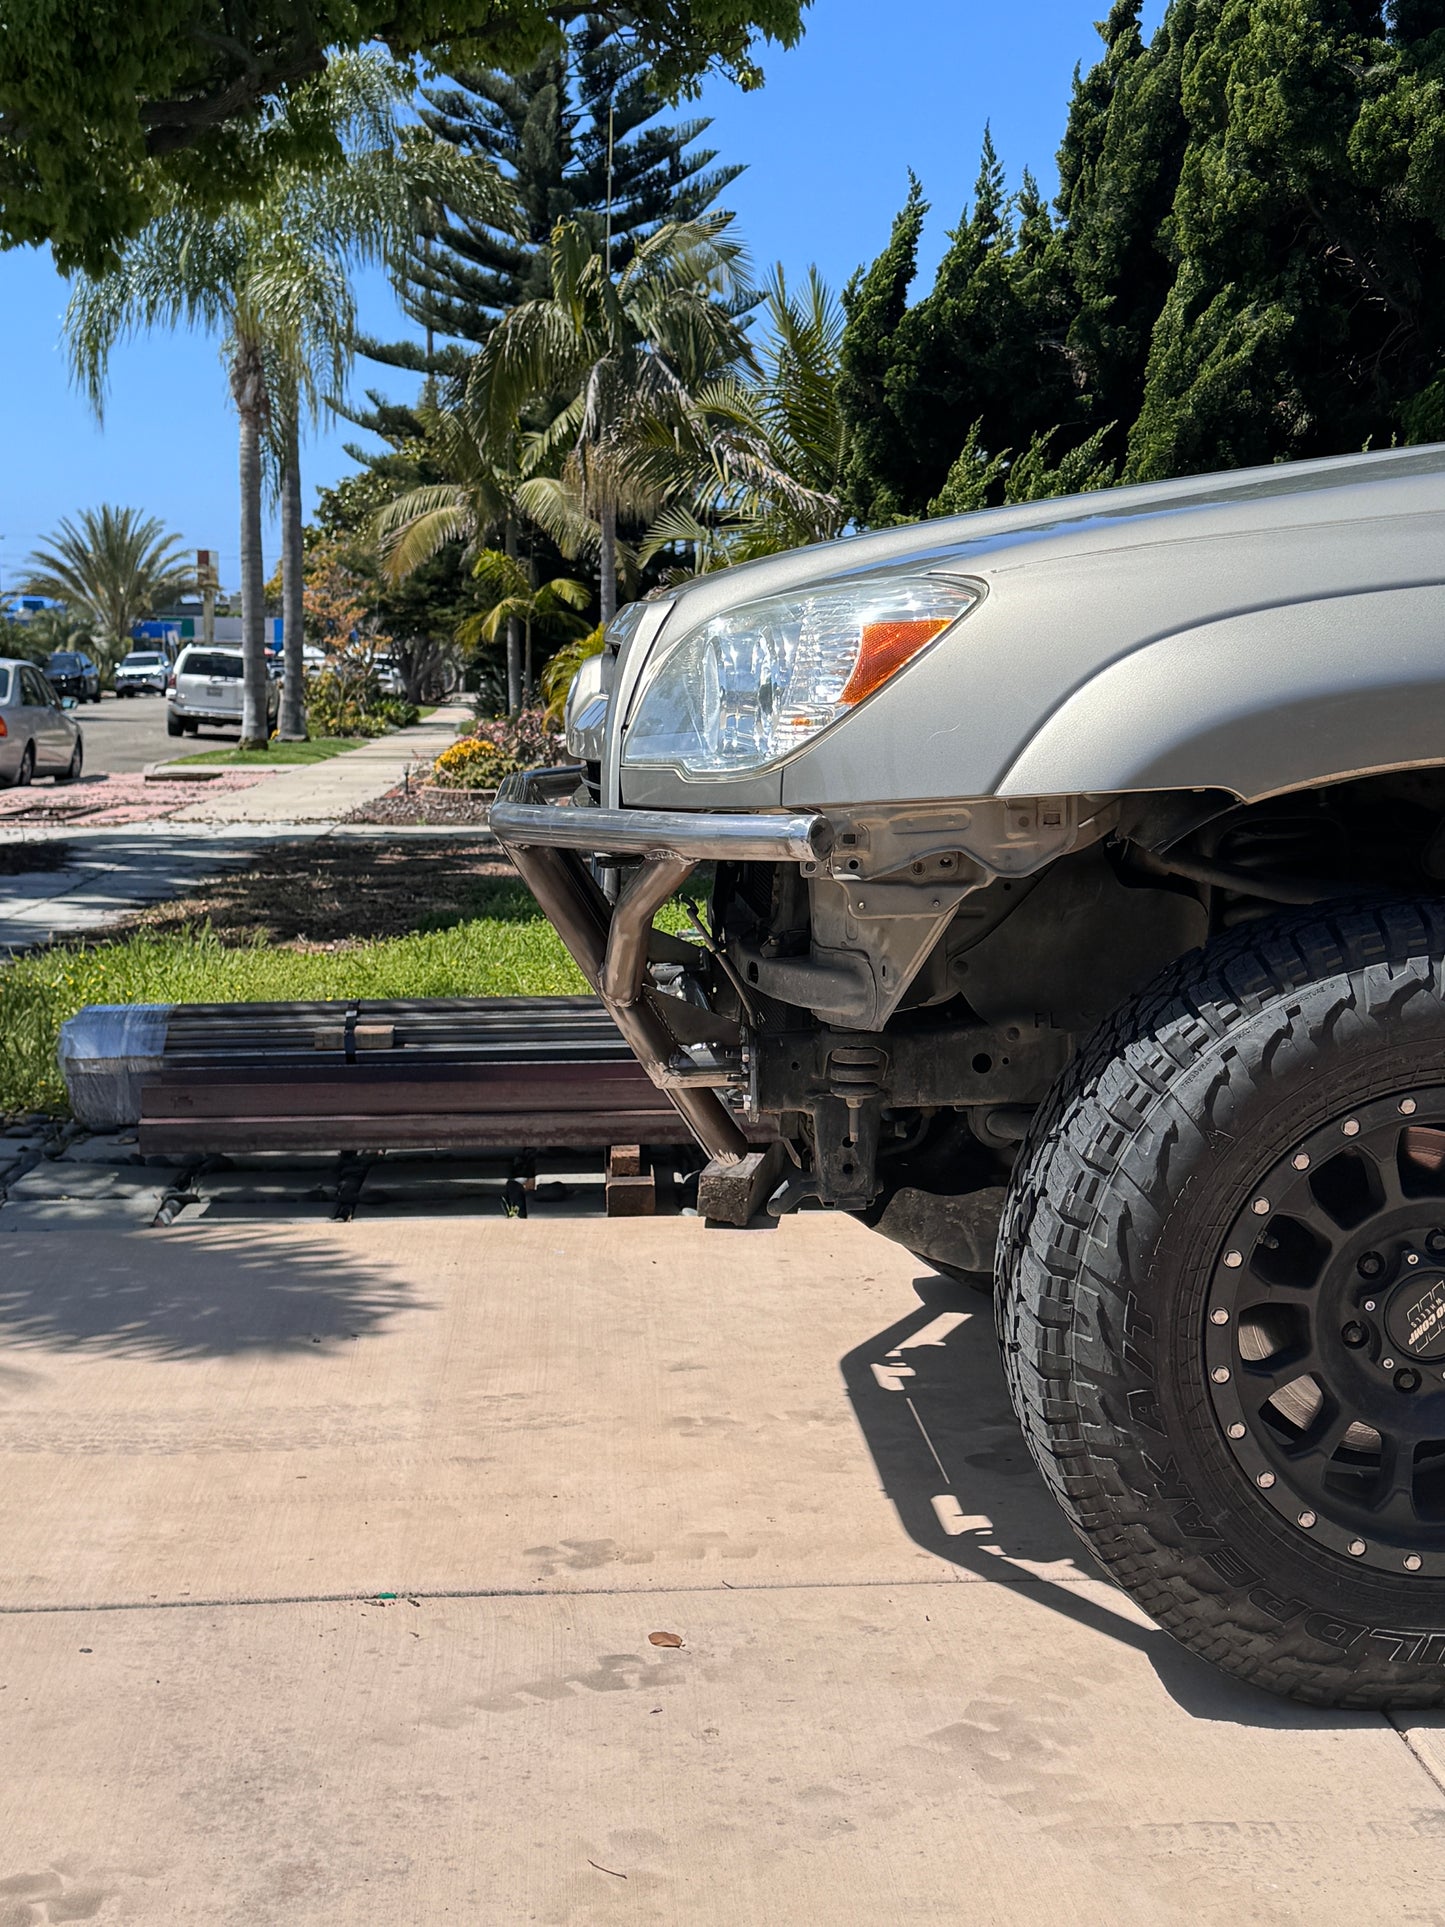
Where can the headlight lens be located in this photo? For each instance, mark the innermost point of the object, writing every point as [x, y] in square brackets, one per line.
[748, 688]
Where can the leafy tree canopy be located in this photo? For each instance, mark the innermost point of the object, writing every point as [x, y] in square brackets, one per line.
[107, 104]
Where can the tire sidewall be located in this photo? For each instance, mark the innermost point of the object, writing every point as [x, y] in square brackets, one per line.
[1137, 1339]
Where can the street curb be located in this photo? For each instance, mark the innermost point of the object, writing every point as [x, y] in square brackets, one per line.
[180, 773]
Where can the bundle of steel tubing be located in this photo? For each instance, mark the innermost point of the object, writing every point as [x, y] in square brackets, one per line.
[495, 1073]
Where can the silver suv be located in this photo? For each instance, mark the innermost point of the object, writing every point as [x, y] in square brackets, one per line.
[1073, 911]
[206, 687]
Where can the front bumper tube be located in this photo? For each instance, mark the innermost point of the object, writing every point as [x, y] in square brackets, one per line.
[546, 839]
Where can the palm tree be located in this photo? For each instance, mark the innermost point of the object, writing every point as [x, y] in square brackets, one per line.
[273, 277]
[475, 499]
[622, 348]
[756, 463]
[551, 609]
[112, 566]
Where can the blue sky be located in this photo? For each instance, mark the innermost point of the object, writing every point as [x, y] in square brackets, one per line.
[828, 144]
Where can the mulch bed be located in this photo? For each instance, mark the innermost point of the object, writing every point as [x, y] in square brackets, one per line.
[331, 895]
[426, 806]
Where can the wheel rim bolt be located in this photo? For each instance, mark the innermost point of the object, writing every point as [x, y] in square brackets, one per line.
[1355, 1335]
[1220, 1316]
[1358, 1548]
[1371, 1265]
[1234, 1259]
[1387, 1364]
[1265, 1479]
[1413, 1562]
[1407, 1380]
[1220, 1374]
[1407, 1106]
[1301, 1160]
[1351, 1127]
[1307, 1519]
[1260, 1207]
[1412, 1257]
[1236, 1431]
[1369, 1304]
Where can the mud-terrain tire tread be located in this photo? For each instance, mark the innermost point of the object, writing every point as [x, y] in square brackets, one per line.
[1095, 1167]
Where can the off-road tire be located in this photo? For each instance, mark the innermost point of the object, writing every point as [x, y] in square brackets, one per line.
[1136, 1168]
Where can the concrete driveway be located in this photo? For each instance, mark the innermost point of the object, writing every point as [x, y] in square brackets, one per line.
[332, 1553]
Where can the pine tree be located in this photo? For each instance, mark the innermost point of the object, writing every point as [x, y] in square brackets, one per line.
[578, 138]
[879, 480]
[1307, 314]
[977, 364]
[1119, 167]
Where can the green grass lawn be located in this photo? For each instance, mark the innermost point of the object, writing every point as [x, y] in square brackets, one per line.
[275, 754]
[514, 954]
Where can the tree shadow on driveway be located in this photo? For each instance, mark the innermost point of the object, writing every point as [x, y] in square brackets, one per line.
[207, 1293]
[929, 1396]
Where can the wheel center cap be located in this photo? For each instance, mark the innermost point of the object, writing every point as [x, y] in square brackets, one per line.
[1415, 1316]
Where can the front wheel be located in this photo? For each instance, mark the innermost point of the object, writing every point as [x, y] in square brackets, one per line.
[1222, 1303]
[72, 771]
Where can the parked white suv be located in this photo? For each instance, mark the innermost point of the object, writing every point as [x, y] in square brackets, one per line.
[206, 686]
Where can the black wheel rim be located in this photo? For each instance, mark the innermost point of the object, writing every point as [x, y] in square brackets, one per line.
[1324, 1335]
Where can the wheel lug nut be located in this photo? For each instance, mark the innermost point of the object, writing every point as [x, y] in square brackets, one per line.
[1355, 1334]
[1407, 1380]
[1371, 1265]
[1435, 1244]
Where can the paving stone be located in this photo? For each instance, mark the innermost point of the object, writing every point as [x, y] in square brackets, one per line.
[124, 1211]
[108, 1148]
[57, 1179]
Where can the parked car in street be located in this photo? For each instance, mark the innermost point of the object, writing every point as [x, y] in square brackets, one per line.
[143, 672]
[38, 736]
[70, 673]
[1077, 919]
[206, 687]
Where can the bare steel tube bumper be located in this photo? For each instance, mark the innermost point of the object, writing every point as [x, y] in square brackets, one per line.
[526, 814]
[609, 942]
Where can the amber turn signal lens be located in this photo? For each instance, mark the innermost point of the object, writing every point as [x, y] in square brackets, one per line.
[886, 647]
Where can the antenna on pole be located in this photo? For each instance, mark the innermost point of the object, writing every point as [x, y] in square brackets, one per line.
[611, 110]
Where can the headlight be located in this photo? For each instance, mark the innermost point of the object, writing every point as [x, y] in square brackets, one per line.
[749, 688]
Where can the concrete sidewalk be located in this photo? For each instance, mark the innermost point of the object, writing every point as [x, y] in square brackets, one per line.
[332, 1556]
[326, 792]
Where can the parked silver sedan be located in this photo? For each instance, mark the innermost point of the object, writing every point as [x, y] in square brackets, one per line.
[38, 736]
